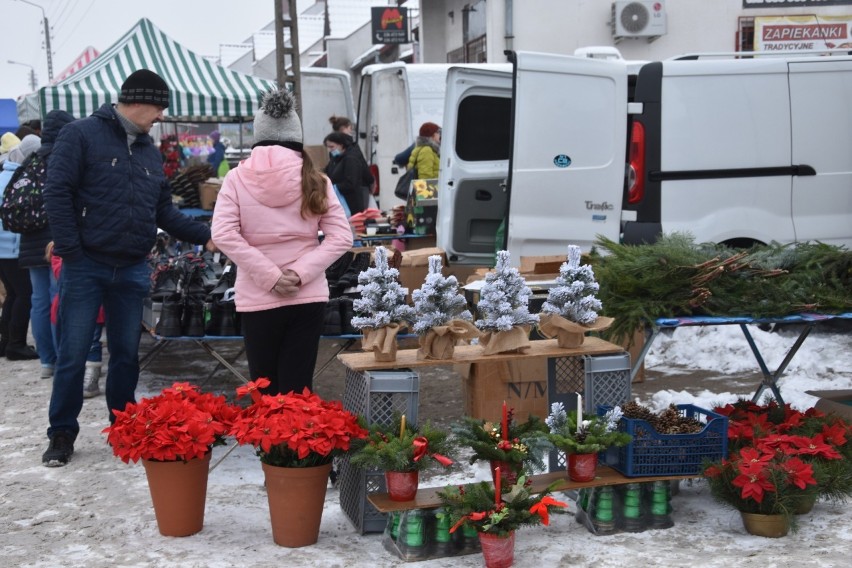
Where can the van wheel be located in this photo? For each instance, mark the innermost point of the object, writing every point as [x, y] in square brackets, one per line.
[741, 243]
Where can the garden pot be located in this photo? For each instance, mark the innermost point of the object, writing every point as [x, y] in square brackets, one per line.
[509, 472]
[296, 497]
[771, 526]
[514, 340]
[569, 334]
[381, 341]
[402, 485]
[178, 492]
[498, 551]
[582, 467]
[804, 504]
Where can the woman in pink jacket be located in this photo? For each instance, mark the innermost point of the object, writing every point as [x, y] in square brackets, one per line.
[267, 218]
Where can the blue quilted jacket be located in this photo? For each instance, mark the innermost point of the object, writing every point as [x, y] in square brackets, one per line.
[105, 200]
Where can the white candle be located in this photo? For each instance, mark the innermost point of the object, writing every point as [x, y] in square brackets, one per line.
[579, 412]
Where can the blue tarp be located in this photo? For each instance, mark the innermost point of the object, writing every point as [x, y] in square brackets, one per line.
[8, 116]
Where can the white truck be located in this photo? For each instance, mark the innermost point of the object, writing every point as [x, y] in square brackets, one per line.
[732, 150]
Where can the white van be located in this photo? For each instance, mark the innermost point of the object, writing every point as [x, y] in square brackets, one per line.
[734, 151]
[393, 101]
[325, 92]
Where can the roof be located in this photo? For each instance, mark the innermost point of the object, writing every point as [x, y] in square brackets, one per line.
[200, 89]
[89, 54]
[8, 116]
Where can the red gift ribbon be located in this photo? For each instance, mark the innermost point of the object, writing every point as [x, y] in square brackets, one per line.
[421, 448]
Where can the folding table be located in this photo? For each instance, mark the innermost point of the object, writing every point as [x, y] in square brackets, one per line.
[769, 378]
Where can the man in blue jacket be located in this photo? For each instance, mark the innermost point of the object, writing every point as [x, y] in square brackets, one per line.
[105, 196]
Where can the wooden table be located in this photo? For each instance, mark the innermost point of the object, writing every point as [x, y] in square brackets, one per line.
[427, 498]
[546, 348]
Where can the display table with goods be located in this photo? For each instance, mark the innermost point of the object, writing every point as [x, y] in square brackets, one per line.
[676, 282]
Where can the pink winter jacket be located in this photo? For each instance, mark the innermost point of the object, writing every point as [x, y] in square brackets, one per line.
[257, 223]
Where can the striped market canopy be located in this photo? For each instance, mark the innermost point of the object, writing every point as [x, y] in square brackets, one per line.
[200, 89]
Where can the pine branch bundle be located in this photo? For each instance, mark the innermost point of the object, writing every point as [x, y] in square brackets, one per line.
[676, 277]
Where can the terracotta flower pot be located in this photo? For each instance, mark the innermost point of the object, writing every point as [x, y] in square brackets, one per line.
[498, 551]
[582, 467]
[179, 493]
[402, 485]
[770, 526]
[296, 497]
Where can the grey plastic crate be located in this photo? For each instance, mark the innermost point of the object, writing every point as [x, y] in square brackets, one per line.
[603, 380]
[377, 396]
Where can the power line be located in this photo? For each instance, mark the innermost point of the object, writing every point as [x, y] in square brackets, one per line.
[83, 17]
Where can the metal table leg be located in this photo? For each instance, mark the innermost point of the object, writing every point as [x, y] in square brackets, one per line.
[148, 358]
[224, 362]
[651, 334]
[770, 380]
[343, 347]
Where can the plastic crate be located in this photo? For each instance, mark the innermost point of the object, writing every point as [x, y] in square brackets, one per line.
[651, 453]
[377, 396]
[602, 380]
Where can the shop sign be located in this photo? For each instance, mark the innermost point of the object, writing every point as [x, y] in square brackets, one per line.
[390, 24]
[793, 3]
[802, 33]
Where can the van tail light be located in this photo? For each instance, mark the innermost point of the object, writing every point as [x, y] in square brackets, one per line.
[374, 170]
[636, 164]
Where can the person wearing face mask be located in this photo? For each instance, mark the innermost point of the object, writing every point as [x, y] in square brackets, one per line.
[348, 171]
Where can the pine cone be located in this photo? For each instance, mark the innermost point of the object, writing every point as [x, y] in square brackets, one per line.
[636, 411]
[668, 420]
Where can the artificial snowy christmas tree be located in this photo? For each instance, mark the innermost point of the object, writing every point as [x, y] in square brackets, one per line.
[504, 311]
[383, 304]
[442, 316]
[572, 308]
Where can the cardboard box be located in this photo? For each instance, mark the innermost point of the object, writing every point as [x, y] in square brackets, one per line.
[207, 193]
[522, 383]
[837, 402]
[415, 267]
[541, 264]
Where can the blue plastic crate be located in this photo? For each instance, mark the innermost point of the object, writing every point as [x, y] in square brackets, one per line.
[651, 453]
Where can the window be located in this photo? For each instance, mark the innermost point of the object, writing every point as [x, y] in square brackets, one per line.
[483, 129]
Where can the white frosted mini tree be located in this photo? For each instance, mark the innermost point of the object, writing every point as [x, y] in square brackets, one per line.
[438, 301]
[382, 296]
[573, 297]
[504, 298]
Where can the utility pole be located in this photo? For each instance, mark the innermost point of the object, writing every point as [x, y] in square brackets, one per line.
[33, 79]
[287, 18]
[46, 39]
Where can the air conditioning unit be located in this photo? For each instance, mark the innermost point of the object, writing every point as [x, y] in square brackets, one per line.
[638, 18]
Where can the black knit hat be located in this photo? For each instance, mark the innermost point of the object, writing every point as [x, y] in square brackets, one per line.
[146, 87]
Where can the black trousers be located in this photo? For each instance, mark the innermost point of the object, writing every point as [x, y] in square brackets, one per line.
[282, 345]
[16, 309]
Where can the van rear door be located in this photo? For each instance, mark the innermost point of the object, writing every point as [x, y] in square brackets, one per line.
[567, 166]
[474, 162]
[822, 139]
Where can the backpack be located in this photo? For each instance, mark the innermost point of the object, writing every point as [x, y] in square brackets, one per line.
[22, 208]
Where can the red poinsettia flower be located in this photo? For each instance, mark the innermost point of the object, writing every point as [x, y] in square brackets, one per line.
[294, 429]
[180, 423]
[816, 447]
[753, 460]
[799, 473]
[835, 433]
[754, 485]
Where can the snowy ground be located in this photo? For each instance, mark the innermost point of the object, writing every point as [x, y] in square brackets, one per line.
[96, 512]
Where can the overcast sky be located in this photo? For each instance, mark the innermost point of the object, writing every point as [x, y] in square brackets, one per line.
[76, 24]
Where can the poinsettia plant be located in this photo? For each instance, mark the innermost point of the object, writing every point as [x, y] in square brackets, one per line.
[398, 446]
[294, 429]
[475, 505]
[179, 424]
[769, 477]
[524, 445]
[818, 439]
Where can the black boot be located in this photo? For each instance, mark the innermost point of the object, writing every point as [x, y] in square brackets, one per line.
[192, 323]
[167, 281]
[336, 270]
[226, 282]
[17, 348]
[223, 319]
[170, 317]
[359, 264]
[346, 312]
[332, 318]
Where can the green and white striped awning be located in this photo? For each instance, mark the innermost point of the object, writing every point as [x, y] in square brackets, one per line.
[200, 89]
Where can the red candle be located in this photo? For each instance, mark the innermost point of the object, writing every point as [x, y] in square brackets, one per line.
[504, 423]
[497, 482]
